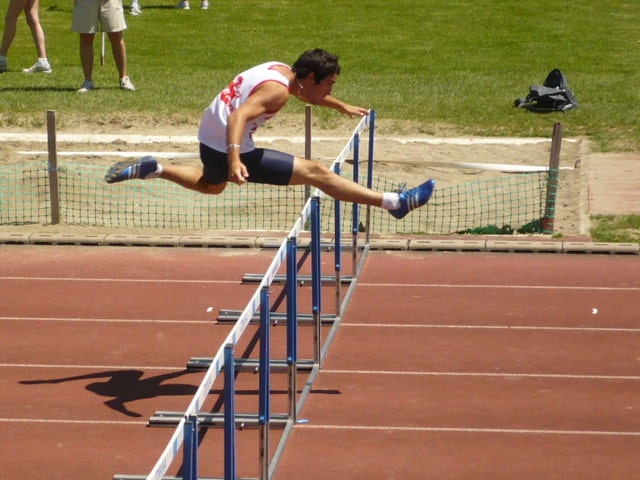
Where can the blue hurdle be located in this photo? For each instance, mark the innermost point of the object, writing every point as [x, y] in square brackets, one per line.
[292, 325]
[188, 423]
[230, 455]
[264, 409]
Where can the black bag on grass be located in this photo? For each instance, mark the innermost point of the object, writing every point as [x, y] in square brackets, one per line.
[553, 96]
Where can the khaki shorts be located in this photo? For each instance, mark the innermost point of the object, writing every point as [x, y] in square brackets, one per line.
[93, 16]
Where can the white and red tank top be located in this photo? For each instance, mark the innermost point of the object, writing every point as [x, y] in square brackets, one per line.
[213, 127]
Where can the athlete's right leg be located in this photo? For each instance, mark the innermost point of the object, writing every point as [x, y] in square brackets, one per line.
[191, 177]
[187, 176]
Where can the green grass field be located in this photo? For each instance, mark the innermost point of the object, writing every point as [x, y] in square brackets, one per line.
[427, 67]
[442, 67]
[616, 228]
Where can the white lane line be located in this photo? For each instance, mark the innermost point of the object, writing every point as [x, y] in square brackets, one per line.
[493, 327]
[90, 367]
[107, 320]
[72, 422]
[341, 372]
[482, 374]
[520, 431]
[360, 284]
[380, 428]
[506, 287]
[117, 280]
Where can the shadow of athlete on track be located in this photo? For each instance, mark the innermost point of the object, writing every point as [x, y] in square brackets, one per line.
[126, 386]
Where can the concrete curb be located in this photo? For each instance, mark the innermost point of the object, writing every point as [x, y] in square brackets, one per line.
[391, 244]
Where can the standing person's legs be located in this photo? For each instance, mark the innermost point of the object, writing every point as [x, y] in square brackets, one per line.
[33, 20]
[86, 55]
[32, 12]
[119, 50]
[114, 24]
[136, 9]
[85, 22]
[11, 24]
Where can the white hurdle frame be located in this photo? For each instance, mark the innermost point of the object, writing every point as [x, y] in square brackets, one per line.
[176, 441]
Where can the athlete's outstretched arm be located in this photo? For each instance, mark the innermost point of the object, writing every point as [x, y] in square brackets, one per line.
[332, 102]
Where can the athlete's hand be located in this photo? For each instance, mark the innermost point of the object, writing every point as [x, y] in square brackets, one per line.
[330, 101]
[238, 173]
[354, 111]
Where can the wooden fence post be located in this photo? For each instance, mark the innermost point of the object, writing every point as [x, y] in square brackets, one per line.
[54, 192]
[552, 179]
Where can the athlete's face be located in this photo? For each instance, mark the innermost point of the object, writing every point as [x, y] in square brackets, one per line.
[315, 92]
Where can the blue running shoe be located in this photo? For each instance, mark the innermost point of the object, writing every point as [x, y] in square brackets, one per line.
[130, 169]
[414, 198]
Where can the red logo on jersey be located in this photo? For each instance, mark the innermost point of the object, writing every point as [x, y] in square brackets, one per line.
[229, 94]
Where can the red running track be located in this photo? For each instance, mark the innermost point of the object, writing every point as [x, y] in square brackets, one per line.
[445, 366]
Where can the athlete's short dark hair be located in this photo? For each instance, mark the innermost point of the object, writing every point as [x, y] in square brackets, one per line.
[316, 61]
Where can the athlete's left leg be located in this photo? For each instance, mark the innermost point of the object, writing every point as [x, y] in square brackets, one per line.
[308, 172]
[399, 204]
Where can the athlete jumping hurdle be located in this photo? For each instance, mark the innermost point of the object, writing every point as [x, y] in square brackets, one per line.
[228, 152]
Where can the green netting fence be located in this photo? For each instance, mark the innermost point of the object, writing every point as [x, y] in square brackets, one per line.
[510, 203]
[522, 203]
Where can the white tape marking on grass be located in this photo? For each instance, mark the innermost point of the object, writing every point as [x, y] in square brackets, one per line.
[501, 167]
[95, 138]
[151, 139]
[186, 139]
[102, 153]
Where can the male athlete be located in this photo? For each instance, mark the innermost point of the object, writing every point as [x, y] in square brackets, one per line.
[228, 153]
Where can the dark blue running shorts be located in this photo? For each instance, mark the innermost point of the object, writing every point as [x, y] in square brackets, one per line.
[264, 166]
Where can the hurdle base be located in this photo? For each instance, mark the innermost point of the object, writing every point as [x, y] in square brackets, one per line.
[144, 477]
[232, 316]
[302, 279]
[251, 365]
[305, 244]
[216, 420]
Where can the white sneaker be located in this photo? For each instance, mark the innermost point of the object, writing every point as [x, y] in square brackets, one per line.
[4, 64]
[39, 67]
[204, 5]
[125, 84]
[135, 9]
[183, 5]
[86, 87]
